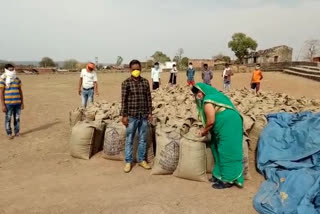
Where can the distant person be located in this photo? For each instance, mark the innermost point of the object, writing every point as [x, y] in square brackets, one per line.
[226, 75]
[136, 110]
[11, 99]
[173, 75]
[155, 76]
[88, 84]
[207, 75]
[190, 75]
[256, 79]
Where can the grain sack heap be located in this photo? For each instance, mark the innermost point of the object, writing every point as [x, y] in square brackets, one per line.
[175, 120]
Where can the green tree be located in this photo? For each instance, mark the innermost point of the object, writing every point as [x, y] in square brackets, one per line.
[119, 60]
[47, 62]
[184, 61]
[70, 64]
[160, 57]
[241, 44]
[176, 59]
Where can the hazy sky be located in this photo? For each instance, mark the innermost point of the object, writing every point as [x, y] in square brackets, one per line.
[83, 29]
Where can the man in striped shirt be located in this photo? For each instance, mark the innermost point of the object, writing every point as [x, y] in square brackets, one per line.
[11, 99]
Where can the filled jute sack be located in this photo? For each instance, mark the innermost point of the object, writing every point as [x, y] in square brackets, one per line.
[114, 143]
[75, 116]
[192, 157]
[255, 132]
[86, 139]
[245, 146]
[167, 152]
[210, 159]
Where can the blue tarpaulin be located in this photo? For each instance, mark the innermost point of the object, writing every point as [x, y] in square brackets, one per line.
[289, 157]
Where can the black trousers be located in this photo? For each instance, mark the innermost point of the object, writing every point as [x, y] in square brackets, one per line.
[155, 85]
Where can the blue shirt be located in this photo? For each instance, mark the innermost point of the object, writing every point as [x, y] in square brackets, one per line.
[190, 74]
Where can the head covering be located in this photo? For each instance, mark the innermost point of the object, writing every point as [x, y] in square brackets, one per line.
[211, 95]
[9, 76]
[91, 66]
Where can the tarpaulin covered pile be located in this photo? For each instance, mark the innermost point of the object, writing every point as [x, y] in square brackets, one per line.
[289, 158]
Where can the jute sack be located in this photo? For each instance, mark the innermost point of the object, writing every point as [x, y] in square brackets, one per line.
[254, 135]
[192, 158]
[75, 116]
[114, 142]
[86, 139]
[167, 155]
[210, 160]
[115, 139]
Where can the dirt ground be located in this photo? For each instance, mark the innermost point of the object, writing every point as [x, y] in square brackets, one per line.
[37, 174]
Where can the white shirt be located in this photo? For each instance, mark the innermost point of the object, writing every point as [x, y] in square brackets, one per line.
[88, 78]
[155, 74]
[174, 70]
[225, 71]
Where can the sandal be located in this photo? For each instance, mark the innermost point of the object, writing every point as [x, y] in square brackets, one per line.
[221, 185]
[213, 180]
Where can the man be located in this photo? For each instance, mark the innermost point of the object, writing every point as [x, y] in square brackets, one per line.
[256, 79]
[206, 75]
[155, 76]
[227, 73]
[136, 110]
[12, 99]
[190, 75]
[88, 84]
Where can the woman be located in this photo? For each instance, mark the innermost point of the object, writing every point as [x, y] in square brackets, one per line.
[173, 75]
[223, 121]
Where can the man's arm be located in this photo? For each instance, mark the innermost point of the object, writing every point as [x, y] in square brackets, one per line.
[261, 75]
[149, 100]
[4, 109]
[80, 86]
[124, 104]
[21, 96]
[95, 86]
[211, 75]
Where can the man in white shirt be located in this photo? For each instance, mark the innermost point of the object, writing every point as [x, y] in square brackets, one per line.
[227, 73]
[88, 84]
[155, 76]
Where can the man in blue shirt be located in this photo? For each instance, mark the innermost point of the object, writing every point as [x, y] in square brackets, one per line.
[190, 75]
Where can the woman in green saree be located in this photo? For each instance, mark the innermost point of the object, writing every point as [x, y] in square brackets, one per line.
[223, 121]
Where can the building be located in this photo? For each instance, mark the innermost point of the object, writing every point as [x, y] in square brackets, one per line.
[277, 54]
[198, 63]
[316, 59]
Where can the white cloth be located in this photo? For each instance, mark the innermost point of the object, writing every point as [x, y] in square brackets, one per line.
[155, 74]
[225, 72]
[174, 71]
[10, 76]
[88, 78]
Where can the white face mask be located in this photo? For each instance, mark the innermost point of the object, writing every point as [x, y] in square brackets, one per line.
[190, 66]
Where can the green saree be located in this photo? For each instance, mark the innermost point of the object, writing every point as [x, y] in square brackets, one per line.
[226, 136]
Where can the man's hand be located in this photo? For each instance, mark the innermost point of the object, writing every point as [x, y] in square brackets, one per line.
[125, 121]
[4, 108]
[22, 106]
[150, 118]
[79, 91]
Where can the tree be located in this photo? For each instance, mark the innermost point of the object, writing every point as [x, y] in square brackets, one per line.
[311, 49]
[176, 59]
[184, 61]
[70, 64]
[119, 61]
[160, 57]
[222, 58]
[241, 44]
[47, 62]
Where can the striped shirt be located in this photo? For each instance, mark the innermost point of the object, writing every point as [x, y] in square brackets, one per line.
[12, 94]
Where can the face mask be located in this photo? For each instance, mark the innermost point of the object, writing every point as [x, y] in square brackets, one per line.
[135, 73]
[156, 66]
[190, 66]
[257, 68]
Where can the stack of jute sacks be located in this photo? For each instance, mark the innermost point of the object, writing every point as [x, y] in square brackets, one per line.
[173, 136]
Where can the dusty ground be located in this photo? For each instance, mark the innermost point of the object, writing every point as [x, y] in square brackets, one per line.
[37, 174]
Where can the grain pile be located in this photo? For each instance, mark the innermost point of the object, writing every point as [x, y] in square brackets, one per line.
[175, 113]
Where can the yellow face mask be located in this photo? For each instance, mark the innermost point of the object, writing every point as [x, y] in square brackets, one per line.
[135, 73]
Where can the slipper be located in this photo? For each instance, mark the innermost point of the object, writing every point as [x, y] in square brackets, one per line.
[221, 185]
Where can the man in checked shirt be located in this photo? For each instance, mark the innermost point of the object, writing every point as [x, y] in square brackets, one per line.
[136, 110]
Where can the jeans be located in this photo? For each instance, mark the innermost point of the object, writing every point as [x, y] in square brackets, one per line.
[87, 97]
[140, 124]
[226, 86]
[13, 110]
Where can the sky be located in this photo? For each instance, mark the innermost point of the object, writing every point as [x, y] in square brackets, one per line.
[83, 29]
